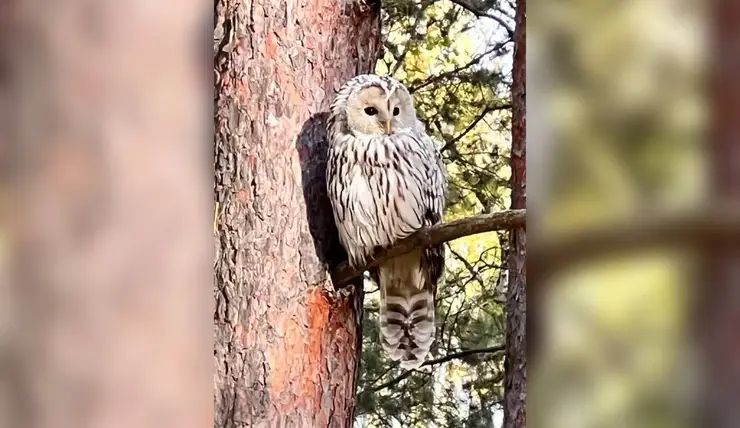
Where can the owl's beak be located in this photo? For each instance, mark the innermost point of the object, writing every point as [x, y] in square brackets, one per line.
[387, 126]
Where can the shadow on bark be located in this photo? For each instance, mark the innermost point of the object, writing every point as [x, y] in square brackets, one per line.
[312, 146]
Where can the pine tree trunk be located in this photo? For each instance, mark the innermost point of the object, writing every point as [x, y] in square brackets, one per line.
[104, 321]
[718, 287]
[286, 344]
[515, 365]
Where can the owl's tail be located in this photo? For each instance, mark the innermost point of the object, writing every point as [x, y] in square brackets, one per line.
[406, 309]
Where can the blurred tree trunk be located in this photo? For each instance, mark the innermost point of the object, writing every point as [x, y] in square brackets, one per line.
[718, 315]
[515, 365]
[286, 344]
[105, 317]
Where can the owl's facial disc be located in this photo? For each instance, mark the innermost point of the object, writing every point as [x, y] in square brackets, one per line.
[386, 110]
[373, 110]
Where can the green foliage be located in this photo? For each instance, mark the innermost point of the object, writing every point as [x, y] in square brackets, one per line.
[455, 65]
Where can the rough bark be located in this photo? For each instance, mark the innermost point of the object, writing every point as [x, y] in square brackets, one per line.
[286, 344]
[515, 363]
[718, 305]
[105, 318]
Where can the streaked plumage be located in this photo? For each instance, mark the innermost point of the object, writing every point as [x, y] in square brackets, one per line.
[386, 179]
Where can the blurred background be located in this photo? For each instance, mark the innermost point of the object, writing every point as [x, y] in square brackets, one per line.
[615, 134]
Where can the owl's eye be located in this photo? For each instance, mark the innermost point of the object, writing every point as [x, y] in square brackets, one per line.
[396, 111]
[371, 111]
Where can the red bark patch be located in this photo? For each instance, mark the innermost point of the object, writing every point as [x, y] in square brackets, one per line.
[270, 45]
[252, 161]
[282, 363]
[300, 358]
[243, 91]
[243, 196]
[241, 333]
[318, 318]
[291, 94]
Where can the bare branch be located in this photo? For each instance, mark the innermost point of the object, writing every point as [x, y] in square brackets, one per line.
[435, 235]
[466, 353]
[473, 62]
[392, 382]
[474, 123]
[474, 274]
[449, 357]
[413, 32]
[481, 12]
[456, 317]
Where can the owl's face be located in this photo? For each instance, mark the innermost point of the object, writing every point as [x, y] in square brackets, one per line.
[376, 110]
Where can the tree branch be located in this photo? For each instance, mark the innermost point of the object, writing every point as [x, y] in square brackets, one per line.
[473, 62]
[463, 354]
[695, 228]
[391, 382]
[440, 360]
[474, 274]
[480, 12]
[435, 235]
[473, 124]
[417, 20]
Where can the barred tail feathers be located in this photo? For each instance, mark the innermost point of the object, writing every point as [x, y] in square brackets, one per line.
[406, 310]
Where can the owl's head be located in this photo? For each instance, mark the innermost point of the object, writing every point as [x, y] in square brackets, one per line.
[375, 105]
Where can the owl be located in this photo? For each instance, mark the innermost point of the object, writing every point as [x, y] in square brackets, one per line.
[386, 180]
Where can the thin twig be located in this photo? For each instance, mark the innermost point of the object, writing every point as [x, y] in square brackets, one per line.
[446, 74]
[449, 357]
[473, 124]
[480, 13]
[417, 20]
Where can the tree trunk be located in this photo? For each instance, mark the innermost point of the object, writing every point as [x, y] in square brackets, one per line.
[718, 315]
[286, 344]
[104, 321]
[515, 365]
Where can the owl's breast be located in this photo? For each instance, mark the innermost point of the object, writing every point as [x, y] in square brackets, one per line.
[386, 204]
[362, 197]
[378, 191]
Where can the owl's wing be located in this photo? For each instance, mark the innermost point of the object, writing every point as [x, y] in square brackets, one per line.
[423, 176]
[437, 173]
[434, 257]
[439, 179]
